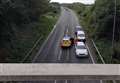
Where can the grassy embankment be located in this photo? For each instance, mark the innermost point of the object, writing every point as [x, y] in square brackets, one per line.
[46, 24]
[25, 24]
[35, 33]
[103, 44]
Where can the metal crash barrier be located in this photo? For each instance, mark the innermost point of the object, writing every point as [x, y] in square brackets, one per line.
[36, 72]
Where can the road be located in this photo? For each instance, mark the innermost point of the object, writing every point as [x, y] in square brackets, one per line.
[51, 52]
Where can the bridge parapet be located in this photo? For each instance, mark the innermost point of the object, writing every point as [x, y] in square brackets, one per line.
[36, 72]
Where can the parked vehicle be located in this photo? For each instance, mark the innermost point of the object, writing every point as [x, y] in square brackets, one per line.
[78, 28]
[81, 50]
[81, 36]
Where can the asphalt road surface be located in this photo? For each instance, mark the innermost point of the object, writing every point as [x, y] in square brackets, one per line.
[51, 52]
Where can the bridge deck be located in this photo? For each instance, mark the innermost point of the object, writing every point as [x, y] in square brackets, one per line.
[33, 72]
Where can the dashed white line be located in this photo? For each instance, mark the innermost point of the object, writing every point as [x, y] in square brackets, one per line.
[66, 81]
[55, 81]
[59, 56]
[101, 81]
[68, 55]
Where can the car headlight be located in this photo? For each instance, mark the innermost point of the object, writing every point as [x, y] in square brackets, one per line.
[77, 53]
[86, 53]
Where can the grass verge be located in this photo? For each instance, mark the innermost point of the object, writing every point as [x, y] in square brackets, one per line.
[48, 22]
[27, 37]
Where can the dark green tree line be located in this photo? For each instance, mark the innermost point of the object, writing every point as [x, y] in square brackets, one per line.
[98, 20]
[18, 12]
[101, 18]
[15, 17]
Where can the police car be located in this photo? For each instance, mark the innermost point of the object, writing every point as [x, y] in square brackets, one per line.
[67, 41]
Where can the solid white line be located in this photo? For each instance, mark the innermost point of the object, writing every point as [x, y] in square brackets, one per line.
[100, 56]
[92, 59]
[90, 55]
[98, 53]
[47, 38]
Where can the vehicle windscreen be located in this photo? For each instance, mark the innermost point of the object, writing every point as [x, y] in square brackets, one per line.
[78, 29]
[81, 47]
[65, 41]
[81, 35]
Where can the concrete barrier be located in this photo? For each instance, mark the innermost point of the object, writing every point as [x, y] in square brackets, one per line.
[36, 72]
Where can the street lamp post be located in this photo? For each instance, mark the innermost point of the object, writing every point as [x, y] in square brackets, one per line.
[114, 25]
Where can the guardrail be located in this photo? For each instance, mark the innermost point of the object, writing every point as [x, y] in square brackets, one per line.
[36, 72]
[101, 58]
[31, 50]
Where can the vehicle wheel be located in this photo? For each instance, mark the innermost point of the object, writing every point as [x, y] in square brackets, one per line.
[72, 41]
[84, 41]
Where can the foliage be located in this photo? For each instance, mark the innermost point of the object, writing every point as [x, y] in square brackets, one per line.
[98, 20]
[18, 19]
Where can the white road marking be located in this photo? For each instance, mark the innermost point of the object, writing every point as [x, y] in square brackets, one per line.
[67, 58]
[55, 81]
[67, 31]
[100, 57]
[60, 54]
[66, 81]
[47, 39]
[59, 19]
[114, 81]
[101, 81]
[92, 59]
[44, 44]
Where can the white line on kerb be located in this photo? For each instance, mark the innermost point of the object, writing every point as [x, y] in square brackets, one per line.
[100, 57]
[47, 38]
[92, 59]
[44, 43]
